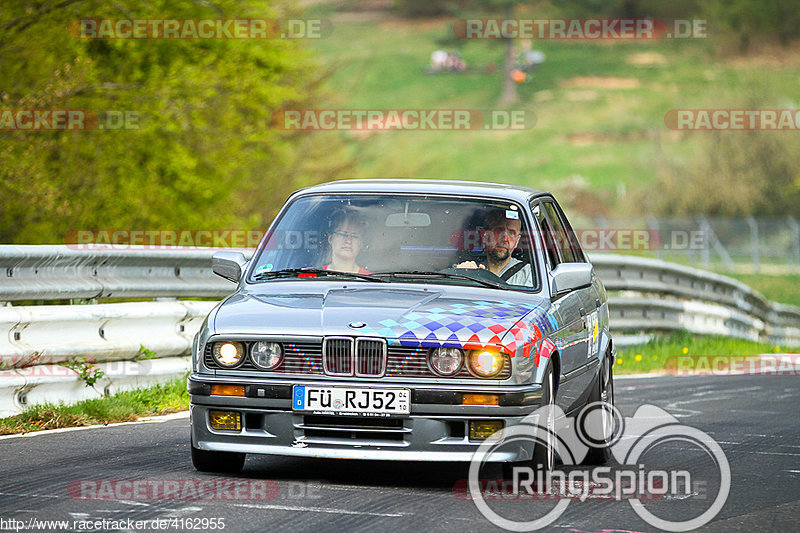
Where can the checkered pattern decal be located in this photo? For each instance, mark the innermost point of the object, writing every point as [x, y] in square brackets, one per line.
[456, 324]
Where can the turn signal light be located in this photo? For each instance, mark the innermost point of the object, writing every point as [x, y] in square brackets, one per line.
[480, 399]
[227, 390]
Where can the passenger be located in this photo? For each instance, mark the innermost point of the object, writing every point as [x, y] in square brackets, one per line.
[500, 239]
[345, 239]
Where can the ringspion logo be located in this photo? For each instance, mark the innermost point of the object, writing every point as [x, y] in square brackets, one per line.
[630, 440]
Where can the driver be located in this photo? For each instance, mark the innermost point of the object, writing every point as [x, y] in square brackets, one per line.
[345, 240]
[500, 239]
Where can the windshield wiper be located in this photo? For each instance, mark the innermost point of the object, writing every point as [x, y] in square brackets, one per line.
[441, 275]
[314, 273]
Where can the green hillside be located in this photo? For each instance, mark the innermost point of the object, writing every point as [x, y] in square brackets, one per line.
[600, 106]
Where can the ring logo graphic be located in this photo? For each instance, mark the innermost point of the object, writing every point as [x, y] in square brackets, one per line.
[651, 433]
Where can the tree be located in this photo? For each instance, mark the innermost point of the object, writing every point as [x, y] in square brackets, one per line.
[202, 153]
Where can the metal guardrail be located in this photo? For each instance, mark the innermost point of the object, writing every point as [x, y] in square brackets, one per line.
[704, 298]
[56, 272]
[647, 295]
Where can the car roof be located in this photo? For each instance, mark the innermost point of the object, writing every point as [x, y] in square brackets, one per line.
[426, 186]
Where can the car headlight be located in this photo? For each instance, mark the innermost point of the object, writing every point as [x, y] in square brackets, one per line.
[486, 363]
[266, 355]
[228, 354]
[446, 361]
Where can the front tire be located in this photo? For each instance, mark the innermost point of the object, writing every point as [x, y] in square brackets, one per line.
[218, 462]
[544, 451]
[598, 421]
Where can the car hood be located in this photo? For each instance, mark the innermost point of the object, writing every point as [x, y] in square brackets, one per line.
[404, 316]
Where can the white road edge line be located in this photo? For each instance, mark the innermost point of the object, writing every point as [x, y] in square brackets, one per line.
[640, 376]
[316, 510]
[144, 420]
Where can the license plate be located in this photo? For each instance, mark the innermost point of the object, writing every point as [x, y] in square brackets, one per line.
[352, 400]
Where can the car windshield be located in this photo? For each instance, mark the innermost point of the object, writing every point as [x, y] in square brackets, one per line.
[400, 238]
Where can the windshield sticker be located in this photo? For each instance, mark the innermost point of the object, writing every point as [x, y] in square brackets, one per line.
[512, 214]
[264, 268]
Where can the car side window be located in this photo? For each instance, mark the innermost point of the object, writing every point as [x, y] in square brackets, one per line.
[572, 239]
[550, 246]
[561, 236]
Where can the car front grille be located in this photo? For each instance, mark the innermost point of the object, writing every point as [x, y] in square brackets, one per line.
[345, 356]
[337, 356]
[370, 357]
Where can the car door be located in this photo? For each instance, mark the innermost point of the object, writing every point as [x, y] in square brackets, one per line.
[572, 306]
[594, 296]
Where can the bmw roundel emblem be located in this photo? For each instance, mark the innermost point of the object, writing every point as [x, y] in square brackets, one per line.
[356, 325]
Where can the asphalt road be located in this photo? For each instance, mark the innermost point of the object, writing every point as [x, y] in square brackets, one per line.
[61, 476]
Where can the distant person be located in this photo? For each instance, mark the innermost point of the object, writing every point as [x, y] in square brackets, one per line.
[345, 240]
[455, 62]
[500, 239]
[447, 61]
[438, 60]
[529, 59]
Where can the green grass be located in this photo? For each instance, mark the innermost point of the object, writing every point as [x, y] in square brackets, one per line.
[783, 288]
[124, 406]
[607, 135]
[654, 356]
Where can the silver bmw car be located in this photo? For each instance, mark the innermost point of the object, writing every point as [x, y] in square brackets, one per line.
[400, 320]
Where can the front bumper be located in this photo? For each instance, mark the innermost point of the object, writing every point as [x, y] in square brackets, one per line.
[436, 430]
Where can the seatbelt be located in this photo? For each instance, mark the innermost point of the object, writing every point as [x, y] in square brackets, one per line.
[513, 270]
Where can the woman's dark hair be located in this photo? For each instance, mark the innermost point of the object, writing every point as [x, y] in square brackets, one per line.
[342, 216]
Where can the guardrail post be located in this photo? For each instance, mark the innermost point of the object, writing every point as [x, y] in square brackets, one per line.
[652, 224]
[711, 240]
[795, 238]
[754, 243]
[704, 253]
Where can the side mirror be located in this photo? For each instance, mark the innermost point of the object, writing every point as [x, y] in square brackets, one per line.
[228, 265]
[569, 277]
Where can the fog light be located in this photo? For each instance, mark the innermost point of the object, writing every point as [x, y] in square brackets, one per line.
[483, 429]
[225, 420]
[480, 399]
[227, 390]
